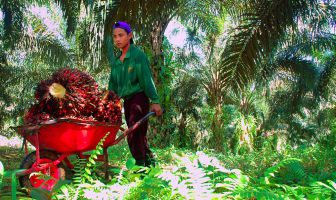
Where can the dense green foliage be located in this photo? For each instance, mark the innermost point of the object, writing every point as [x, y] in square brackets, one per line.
[253, 86]
[188, 175]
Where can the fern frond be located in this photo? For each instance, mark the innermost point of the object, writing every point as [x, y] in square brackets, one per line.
[197, 183]
[271, 172]
[259, 193]
[79, 166]
[323, 188]
[190, 181]
[84, 168]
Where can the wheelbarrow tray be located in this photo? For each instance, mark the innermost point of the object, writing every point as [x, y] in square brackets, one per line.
[69, 135]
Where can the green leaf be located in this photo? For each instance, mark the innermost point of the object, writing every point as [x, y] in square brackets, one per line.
[2, 169]
[87, 177]
[148, 180]
[144, 195]
[130, 163]
[2, 172]
[40, 194]
[155, 171]
[332, 184]
[14, 184]
[59, 184]
[91, 160]
[326, 186]
[88, 171]
[115, 170]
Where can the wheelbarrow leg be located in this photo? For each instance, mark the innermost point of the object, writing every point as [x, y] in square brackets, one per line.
[106, 164]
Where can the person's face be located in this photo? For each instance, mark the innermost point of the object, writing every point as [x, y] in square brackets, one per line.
[120, 38]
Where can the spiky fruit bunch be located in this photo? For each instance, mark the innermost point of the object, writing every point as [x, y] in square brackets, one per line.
[82, 94]
[36, 114]
[68, 93]
[109, 108]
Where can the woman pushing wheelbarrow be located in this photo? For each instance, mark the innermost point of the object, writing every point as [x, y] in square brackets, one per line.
[70, 118]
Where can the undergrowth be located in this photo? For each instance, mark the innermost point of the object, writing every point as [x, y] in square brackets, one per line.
[185, 175]
[302, 173]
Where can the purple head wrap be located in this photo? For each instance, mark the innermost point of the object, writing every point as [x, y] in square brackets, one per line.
[123, 25]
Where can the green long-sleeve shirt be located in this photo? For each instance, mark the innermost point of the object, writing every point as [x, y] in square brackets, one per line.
[133, 75]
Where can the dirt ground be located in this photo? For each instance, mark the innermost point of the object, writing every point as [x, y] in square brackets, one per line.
[11, 154]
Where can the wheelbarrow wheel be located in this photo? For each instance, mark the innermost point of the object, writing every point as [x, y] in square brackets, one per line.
[54, 173]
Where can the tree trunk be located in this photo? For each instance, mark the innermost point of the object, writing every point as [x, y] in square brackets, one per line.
[182, 131]
[156, 38]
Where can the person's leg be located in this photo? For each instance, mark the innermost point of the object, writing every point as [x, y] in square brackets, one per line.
[135, 108]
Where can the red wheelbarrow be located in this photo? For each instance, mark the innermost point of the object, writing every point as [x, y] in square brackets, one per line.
[55, 140]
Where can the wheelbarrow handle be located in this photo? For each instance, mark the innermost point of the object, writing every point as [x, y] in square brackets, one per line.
[136, 125]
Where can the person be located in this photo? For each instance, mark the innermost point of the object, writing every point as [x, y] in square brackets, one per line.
[131, 79]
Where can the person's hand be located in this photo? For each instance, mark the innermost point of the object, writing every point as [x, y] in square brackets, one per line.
[157, 109]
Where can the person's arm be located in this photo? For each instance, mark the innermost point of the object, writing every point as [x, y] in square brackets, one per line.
[147, 83]
[146, 80]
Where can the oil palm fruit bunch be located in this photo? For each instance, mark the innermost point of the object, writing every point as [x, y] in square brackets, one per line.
[68, 93]
[36, 114]
[109, 108]
[75, 92]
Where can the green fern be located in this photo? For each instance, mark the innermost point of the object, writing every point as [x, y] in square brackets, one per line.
[324, 190]
[258, 193]
[292, 173]
[189, 181]
[197, 183]
[79, 164]
[84, 168]
[292, 167]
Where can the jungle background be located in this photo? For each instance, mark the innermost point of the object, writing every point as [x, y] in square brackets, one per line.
[249, 96]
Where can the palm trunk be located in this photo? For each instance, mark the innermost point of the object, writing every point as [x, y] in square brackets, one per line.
[217, 124]
[182, 131]
[156, 38]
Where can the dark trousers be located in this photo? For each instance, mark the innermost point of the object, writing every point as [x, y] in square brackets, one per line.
[135, 108]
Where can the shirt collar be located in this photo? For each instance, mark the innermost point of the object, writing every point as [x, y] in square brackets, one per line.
[129, 51]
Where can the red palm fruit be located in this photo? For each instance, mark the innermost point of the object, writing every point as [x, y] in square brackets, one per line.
[42, 90]
[75, 94]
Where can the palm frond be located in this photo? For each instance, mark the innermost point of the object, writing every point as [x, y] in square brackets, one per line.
[203, 15]
[48, 50]
[92, 34]
[306, 70]
[71, 12]
[304, 43]
[146, 17]
[326, 76]
[261, 27]
[13, 21]
[323, 17]
[258, 193]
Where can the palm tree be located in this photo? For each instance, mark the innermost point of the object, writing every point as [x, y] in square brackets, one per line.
[187, 99]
